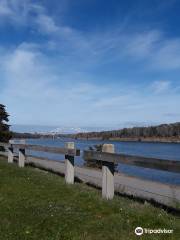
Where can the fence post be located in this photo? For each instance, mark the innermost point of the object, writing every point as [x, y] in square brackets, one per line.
[22, 155]
[69, 164]
[10, 155]
[10, 152]
[108, 174]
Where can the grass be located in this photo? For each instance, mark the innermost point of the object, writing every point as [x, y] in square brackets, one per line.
[39, 205]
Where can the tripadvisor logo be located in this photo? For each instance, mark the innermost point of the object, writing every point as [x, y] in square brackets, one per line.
[139, 231]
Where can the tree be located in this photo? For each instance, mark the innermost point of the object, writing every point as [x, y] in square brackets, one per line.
[5, 133]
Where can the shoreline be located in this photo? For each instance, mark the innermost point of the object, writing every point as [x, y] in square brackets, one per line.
[148, 140]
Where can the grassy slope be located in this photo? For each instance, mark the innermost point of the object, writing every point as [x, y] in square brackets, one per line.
[39, 205]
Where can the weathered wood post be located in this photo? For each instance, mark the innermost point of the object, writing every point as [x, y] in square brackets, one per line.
[22, 155]
[108, 174]
[69, 164]
[10, 152]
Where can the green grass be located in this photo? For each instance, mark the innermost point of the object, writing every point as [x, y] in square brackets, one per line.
[39, 205]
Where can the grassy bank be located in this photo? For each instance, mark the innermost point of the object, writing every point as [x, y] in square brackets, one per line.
[39, 205]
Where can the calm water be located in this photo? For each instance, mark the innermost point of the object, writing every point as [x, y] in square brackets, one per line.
[170, 151]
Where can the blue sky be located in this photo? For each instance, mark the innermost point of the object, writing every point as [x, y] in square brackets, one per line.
[90, 63]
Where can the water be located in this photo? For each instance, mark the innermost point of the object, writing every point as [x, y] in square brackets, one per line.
[169, 151]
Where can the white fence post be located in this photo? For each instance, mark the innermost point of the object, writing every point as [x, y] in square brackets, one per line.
[108, 174]
[10, 155]
[10, 152]
[21, 160]
[22, 155]
[69, 164]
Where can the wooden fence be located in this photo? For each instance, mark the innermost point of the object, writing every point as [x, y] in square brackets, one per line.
[106, 178]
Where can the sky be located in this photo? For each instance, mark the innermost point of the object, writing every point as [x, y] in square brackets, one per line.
[90, 63]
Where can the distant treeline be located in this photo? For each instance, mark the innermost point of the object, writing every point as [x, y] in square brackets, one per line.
[161, 131]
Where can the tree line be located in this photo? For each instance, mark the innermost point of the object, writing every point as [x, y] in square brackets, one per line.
[161, 131]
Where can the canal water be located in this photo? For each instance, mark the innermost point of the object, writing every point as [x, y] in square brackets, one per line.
[169, 151]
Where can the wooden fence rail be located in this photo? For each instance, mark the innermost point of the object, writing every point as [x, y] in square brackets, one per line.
[56, 150]
[154, 163]
[110, 181]
[69, 151]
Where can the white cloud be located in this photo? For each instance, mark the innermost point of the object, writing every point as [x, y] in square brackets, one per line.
[168, 55]
[39, 88]
[15, 12]
[161, 86]
[142, 45]
[113, 101]
[31, 86]
[46, 24]
[5, 9]
[34, 92]
[27, 13]
[157, 51]
[153, 47]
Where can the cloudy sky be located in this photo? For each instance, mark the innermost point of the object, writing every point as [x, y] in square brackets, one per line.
[90, 63]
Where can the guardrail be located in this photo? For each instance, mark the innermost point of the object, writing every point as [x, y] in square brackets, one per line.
[69, 151]
[108, 180]
[109, 159]
[154, 163]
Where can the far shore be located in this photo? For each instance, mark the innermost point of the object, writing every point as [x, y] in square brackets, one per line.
[164, 133]
[149, 139]
[115, 139]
